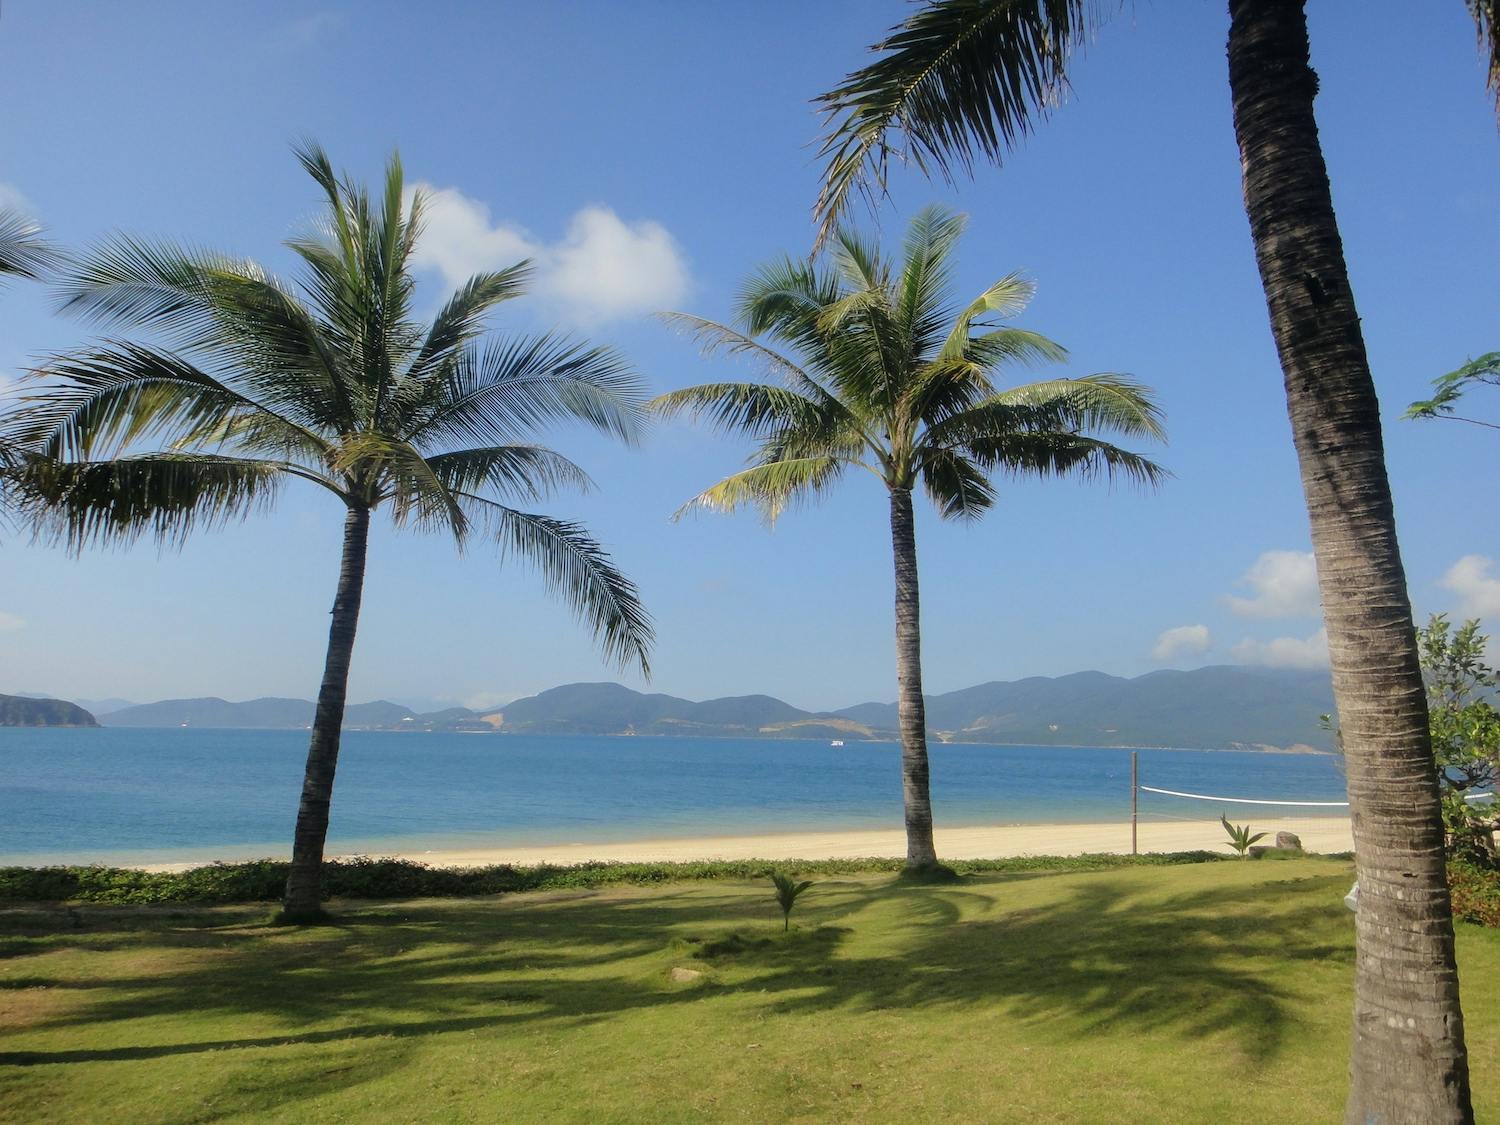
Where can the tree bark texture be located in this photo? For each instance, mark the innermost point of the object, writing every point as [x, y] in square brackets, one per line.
[1408, 1062]
[303, 900]
[912, 709]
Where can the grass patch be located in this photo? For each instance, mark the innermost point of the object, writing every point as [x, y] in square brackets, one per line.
[1134, 992]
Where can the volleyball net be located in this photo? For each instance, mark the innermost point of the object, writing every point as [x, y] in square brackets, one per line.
[1170, 820]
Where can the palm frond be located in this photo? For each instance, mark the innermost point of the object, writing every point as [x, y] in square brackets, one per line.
[509, 388]
[960, 79]
[23, 250]
[1486, 15]
[212, 305]
[770, 487]
[105, 400]
[751, 408]
[164, 496]
[714, 338]
[1105, 401]
[1007, 297]
[574, 565]
[956, 486]
[1062, 454]
[528, 472]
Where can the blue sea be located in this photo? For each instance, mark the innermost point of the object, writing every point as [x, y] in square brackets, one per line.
[117, 795]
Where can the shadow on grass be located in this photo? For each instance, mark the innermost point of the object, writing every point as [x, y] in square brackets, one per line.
[1107, 951]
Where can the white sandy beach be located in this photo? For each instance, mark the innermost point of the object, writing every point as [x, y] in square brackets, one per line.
[1318, 834]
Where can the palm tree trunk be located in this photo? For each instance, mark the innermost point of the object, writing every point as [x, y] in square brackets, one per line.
[303, 901]
[1409, 1063]
[909, 703]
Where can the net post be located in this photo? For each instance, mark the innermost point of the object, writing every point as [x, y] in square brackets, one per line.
[1135, 791]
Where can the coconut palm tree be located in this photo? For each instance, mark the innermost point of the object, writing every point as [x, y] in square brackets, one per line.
[891, 378]
[23, 253]
[331, 382]
[964, 80]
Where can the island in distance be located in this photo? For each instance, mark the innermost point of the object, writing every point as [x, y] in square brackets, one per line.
[1217, 707]
[25, 711]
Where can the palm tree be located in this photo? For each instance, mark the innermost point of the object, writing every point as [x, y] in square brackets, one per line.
[893, 379]
[333, 383]
[23, 253]
[965, 79]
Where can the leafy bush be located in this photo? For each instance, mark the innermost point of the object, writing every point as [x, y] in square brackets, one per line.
[263, 880]
[1476, 893]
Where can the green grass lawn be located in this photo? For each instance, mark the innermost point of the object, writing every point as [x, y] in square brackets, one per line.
[1194, 993]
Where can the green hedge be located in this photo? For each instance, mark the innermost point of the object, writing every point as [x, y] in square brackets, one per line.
[263, 880]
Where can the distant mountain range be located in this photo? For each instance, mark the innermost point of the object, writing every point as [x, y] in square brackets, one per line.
[1213, 708]
[1216, 707]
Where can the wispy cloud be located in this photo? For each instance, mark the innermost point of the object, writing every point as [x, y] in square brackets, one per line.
[11, 197]
[9, 622]
[1183, 640]
[1478, 590]
[1286, 652]
[603, 268]
[1285, 584]
[311, 29]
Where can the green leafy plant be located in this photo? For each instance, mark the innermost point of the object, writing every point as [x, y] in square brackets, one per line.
[787, 891]
[1239, 837]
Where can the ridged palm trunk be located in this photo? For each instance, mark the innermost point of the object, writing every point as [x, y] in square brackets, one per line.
[303, 901]
[912, 710]
[1409, 1062]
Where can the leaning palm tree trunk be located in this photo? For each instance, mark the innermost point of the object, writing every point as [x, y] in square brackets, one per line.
[912, 709]
[303, 900]
[1409, 1062]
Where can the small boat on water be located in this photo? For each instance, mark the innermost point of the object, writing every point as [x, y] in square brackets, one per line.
[837, 742]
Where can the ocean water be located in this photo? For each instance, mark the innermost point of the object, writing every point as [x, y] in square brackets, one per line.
[114, 795]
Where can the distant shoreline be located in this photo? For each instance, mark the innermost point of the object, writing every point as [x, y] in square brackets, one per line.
[993, 841]
[935, 739]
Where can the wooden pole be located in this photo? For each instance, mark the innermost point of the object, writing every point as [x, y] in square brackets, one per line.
[1135, 790]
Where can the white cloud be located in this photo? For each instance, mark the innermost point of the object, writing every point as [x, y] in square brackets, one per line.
[1478, 590]
[603, 268]
[1285, 585]
[1286, 652]
[308, 30]
[607, 268]
[11, 197]
[1184, 640]
[9, 622]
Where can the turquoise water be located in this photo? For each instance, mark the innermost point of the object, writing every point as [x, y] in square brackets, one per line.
[142, 795]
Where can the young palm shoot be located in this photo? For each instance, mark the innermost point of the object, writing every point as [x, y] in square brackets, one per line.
[787, 892]
[884, 374]
[1239, 837]
[335, 384]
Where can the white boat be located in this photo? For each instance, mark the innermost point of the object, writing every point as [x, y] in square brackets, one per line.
[837, 742]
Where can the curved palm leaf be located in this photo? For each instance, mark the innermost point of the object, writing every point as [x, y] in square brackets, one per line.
[163, 495]
[574, 565]
[509, 388]
[23, 251]
[960, 79]
[769, 487]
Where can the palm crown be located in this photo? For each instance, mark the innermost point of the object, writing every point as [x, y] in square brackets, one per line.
[332, 382]
[894, 379]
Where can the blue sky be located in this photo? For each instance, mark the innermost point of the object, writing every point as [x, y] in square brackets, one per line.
[662, 150]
